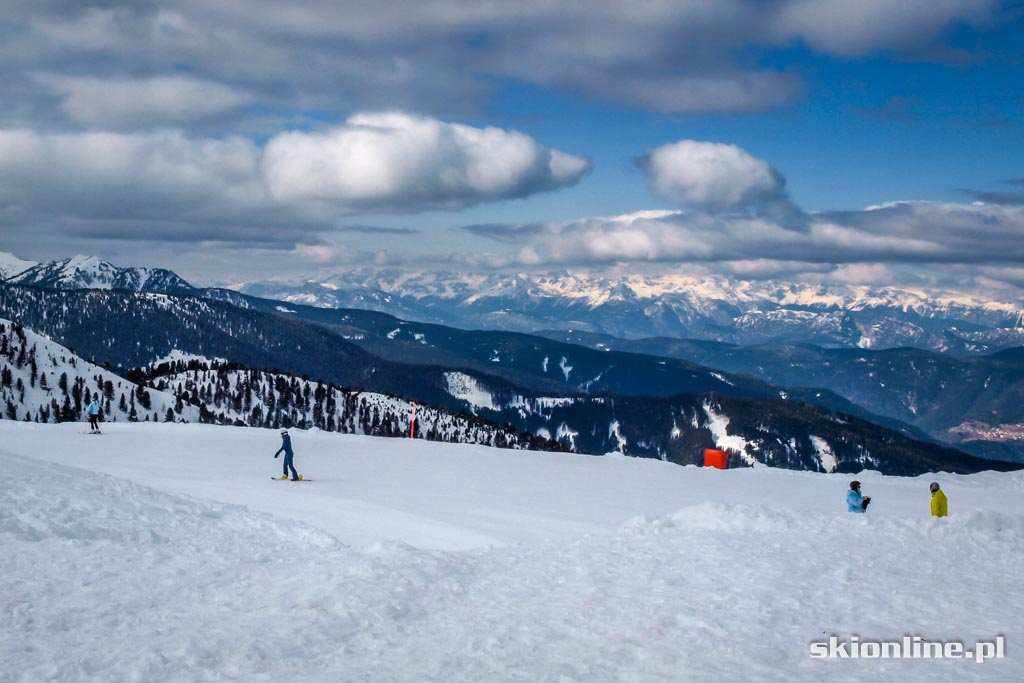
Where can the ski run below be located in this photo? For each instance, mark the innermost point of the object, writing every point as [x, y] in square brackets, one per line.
[162, 552]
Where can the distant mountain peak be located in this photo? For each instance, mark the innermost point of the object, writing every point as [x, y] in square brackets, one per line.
[80, 260]
[11, 265]
[92, 272]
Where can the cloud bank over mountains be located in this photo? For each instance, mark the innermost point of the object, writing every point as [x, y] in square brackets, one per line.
[735, 210]
[311, 128]
[900, 232]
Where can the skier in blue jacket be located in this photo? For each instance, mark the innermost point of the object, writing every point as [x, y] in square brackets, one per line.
[286, 446]
[94, 415]
[855, 502]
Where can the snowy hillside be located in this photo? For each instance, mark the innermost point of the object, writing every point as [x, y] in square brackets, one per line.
[228, 394]
[42, 381]
[164, 552]
[971, 402]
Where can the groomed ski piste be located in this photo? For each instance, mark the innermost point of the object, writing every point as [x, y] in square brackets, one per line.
[162, 552]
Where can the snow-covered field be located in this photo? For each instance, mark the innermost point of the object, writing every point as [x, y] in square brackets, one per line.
[164, 552]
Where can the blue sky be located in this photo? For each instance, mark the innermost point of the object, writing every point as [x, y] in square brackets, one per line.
[237, 141]
[885, 126]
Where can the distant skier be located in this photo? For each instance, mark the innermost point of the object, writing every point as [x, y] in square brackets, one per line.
[940, 506]
[854, 500]
[93, 409]
[286, 446]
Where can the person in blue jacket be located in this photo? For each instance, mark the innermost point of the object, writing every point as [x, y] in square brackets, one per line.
[286, 446]
[854, 500]
[94, 415]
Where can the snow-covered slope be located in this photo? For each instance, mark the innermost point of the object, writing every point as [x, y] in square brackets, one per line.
[42, 381]
[164, 552]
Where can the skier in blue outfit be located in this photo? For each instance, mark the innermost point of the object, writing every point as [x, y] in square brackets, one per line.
[854, 500]
[286, 446]
[93, 410]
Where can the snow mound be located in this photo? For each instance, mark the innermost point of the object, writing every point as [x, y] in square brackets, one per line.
[717, 517]
[988, 522]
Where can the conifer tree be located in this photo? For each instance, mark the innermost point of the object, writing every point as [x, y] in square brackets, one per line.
[67, 413]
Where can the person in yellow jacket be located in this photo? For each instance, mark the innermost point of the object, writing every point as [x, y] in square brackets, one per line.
[940, 507]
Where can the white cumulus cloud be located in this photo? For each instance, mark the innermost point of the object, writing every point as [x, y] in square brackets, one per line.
[400, 160]
[711, 176]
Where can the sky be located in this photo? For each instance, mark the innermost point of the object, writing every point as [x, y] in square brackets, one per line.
[877, 142]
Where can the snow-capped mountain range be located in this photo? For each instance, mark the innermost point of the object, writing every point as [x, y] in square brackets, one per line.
[932, 394]
[711, 308]
[630, 307]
